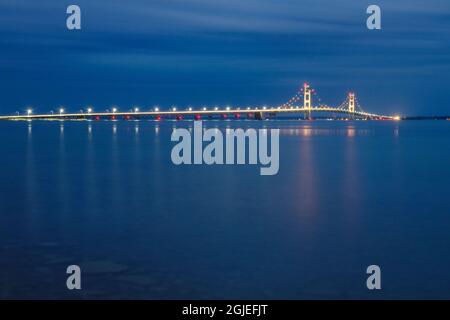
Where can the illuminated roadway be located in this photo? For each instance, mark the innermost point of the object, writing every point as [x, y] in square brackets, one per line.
[349, 107]
[230, 111]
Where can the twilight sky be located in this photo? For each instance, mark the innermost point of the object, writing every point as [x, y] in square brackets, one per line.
[239, 52]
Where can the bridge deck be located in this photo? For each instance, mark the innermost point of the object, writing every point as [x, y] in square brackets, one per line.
[69, 116]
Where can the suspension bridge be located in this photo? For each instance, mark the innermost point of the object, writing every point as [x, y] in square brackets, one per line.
[300, 103]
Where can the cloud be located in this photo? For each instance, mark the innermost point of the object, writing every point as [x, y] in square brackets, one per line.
[222, 43]
[222, 16]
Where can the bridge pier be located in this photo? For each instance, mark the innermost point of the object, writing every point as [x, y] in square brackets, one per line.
[259, 115]
[307, 115]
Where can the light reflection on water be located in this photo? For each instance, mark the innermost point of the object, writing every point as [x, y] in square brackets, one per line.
[105, 195]
[308, 131]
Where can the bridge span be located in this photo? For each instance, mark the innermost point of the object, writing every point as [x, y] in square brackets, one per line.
[349, 108]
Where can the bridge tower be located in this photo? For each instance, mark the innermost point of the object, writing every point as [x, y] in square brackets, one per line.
[351, 102]
[307, 99]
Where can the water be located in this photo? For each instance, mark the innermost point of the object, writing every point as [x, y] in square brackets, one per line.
[105, 196]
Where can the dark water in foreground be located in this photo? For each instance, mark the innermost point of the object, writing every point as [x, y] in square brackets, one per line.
[105, 196]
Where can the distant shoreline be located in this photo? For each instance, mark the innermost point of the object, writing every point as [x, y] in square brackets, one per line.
[426, 118]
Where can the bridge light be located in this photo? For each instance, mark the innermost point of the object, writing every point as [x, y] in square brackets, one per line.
[190, 109]
[29, 111]
[204, 108]
[89, 110]
[264, 107]
[248, 108]
[114, 110]
[228, 108]
[61, 110]
[156, 109]
[174, 109]
[136, 109]
[397, 118]
[216, 108]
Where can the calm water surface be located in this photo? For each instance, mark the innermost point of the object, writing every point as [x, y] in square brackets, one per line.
[106, 196]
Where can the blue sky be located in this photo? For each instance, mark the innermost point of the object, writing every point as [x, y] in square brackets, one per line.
[239, 52]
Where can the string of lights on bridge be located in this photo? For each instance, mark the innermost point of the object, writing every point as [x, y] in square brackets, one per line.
[350, 106]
